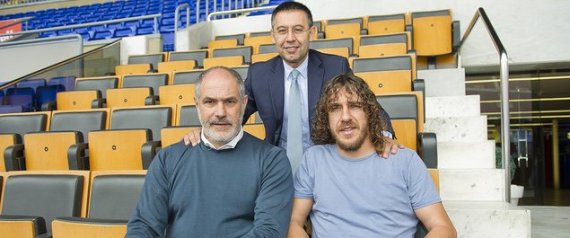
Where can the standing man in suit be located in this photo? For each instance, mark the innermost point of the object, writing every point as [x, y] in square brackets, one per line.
[297, 71]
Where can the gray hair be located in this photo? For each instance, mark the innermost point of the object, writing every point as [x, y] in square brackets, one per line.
[235, 75]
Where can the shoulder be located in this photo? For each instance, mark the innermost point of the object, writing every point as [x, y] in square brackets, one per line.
[174, 153]
[326, 58]
[261, 146]
[405, 157]
[318, 153]
[265, 65]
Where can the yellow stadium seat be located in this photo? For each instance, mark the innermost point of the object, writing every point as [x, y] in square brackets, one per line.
[228, 61]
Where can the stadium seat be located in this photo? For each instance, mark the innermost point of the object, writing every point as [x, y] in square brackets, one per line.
[97, 83]
[385, 74]
[319, 34]
[348, 27]
[197, 55]
[126, 149]
[187, 115]
[130, 97]
[239, 37]
[150, 117]
[383, 45]
[174, 66]
[153, 81]
[242, 71]
[432, 32]
[82, 121]
[256, 41]
[225, 43]
[176, 94]
[386, 24]
[258, 33]
[12, 129]
[262, 57]
[172, 135]
[121, 70]
[244, 51]
[46, 97]
[343, 52]
[79, 100]
[152, 59]
[227, 61]
[407, 113]
[112, 198]
[334, 43]
[33, 199]
[186, 77]
[49, 151]
[68, 82]
[31, 83]
[24, 97]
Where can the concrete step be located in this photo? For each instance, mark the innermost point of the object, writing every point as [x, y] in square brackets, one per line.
[443, 82]
[453, 106]
[458, 129]
[466, 155]
[488, 219]
[472, 184]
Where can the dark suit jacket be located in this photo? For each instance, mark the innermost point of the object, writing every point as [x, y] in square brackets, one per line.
[265, 89]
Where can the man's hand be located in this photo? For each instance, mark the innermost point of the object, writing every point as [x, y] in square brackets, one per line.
[390, 146]
[193, 137]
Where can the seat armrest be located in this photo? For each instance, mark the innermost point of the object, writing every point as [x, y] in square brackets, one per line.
[18, 224]
[98, 103]
[48, 106]
[420, 86]
[363, 32]
[427, 148]
[151, 100]
[77, 158]
[148, 151]
[14, 158]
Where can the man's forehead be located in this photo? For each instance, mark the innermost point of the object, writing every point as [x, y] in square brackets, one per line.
[285, 18]
[344, 95]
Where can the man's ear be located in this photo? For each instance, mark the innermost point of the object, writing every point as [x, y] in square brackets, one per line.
[313, 32]
[245, 98]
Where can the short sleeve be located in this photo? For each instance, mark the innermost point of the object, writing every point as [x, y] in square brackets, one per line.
[304, 178]
[421, 188]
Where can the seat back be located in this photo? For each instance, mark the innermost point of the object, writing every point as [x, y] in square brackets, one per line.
[262, 57]
[228, 61]
[24, 97]
[145, 80]
[122, 70]
[174, 66]
[117, 149]
[242, 71]
[77, 100]
[267, 48]
[82, 121]
[383, 45]
[186, 77]
[342, 30]
[239, 37]
[114, 194]
[256, 41]
[97, 83]
[385, 74]
[47, 94]
[128, 97]
[257, 130]
[222, 43]
[31, 83]
[386, 24]
[333, 43]
[197, 55]
[46, 194]
[342, 51]
[172, 135]
[244, 51]
[432, 32]
[176, 94]
[152, 59]
[22, 123]
[407, 113]
[150, 117]
[68, 82]
[187, 115]
[48, 150]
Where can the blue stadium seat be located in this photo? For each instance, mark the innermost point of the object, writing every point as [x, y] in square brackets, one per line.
[31, 83]
[123, 32]
[46, 95]
[11, 108]
[68, 82]
[102, 34]
[144, 30]
[21, 97]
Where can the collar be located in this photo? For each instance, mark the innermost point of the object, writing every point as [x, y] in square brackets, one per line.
[230, 145]
[302, 68]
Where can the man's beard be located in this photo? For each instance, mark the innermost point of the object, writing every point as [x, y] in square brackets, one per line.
[352, 146]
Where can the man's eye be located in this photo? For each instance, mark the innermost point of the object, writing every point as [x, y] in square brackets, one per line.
[298, 30]
[282, 32]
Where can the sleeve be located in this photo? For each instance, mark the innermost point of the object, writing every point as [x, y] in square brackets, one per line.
[421, 188]
[251, 106]
[274, 201]
[150, 217]
[304, 179]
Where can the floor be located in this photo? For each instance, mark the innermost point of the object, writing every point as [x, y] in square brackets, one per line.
[551, 198]
[549, 221]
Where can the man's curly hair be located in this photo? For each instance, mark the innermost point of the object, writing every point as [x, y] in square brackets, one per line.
[352, 85]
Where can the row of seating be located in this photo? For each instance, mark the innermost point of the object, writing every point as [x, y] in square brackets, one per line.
[63, 204]
[124, 138]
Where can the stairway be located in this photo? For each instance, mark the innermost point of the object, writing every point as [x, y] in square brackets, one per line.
[472, 189]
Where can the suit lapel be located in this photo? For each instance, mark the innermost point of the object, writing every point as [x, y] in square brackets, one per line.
[277, 89]
[315, 81]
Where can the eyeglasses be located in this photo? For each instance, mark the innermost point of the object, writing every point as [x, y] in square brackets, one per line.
[297, 31]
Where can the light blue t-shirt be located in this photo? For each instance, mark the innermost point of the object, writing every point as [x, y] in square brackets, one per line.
[366, 197]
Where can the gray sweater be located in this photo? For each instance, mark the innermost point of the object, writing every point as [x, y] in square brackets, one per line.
[200, 192]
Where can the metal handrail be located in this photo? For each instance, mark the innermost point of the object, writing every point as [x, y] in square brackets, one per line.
[504, 75]
[155, 16]
[239, 11]
[177, 14]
